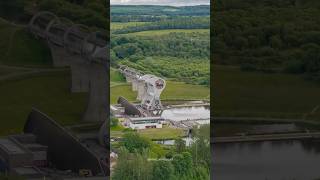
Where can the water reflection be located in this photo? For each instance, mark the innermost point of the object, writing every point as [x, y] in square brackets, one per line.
[270, 160]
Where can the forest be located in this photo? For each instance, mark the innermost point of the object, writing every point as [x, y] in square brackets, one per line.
[179, 161]
[86, 12]
[165, 47]
[268, 36]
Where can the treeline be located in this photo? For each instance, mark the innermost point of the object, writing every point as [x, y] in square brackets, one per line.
[175, 23]
[180, 162]
[137, 18]
[183, 45]
[247, 4]
[149, 10]
[94, 13]
[270, 35]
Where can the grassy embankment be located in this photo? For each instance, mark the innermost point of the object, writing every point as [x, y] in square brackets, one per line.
[18, 95]
[254, 94]
[19, 48]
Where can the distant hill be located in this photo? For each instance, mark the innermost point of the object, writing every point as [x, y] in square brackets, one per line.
[125, 10]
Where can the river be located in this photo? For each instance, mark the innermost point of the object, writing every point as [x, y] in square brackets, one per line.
[269, 160]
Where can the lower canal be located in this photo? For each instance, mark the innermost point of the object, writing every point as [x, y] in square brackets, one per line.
[269, 160]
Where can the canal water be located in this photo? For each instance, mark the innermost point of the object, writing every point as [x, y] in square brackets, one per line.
[186, 113]
[269, 160]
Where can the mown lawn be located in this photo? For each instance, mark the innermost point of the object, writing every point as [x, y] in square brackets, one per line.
[255, 94]
[173, 91]
[163, 133]
[154, 134]
[48, 92]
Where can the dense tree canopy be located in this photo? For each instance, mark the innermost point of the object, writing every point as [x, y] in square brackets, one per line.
[267, 35]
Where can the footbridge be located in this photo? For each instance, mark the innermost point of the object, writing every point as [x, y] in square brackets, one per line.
[149, 88]
[86, 52]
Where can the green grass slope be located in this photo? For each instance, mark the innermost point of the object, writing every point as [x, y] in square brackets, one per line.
[19, 47]
[19, 96]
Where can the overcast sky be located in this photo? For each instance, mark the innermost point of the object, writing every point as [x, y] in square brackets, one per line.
[161, 2]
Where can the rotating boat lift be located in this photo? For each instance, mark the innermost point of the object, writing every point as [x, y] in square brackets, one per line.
[149, 88]
[85, 52]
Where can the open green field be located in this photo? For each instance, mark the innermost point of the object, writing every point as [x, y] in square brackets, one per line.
[18, 47]
[115, 76]
[19, 96]
[153, 134]
[167, 31]
[173, 91]
[163, 133]
[121, 25]
[254, 94]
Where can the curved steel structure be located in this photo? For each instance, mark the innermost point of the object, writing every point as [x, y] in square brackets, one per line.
[129, 108]
[149, 88]
[76, 38]
[86, 53]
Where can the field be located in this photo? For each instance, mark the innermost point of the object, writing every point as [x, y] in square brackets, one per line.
[173, 91]
[255, 94]
[119, 25]
[164, 133]
[167, 31]
[19, 96]
[153, 134]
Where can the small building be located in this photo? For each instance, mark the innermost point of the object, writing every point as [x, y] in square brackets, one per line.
[145, 122]
[21, 155]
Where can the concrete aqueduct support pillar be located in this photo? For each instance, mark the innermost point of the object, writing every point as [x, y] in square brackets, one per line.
[97, 107]
[128, 78]
[141, 89]
[78, 67]
[60, 58]
[79, 77]
[134, 84]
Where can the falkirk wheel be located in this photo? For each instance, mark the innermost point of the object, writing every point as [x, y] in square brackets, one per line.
[149, 88]
[85, 52]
